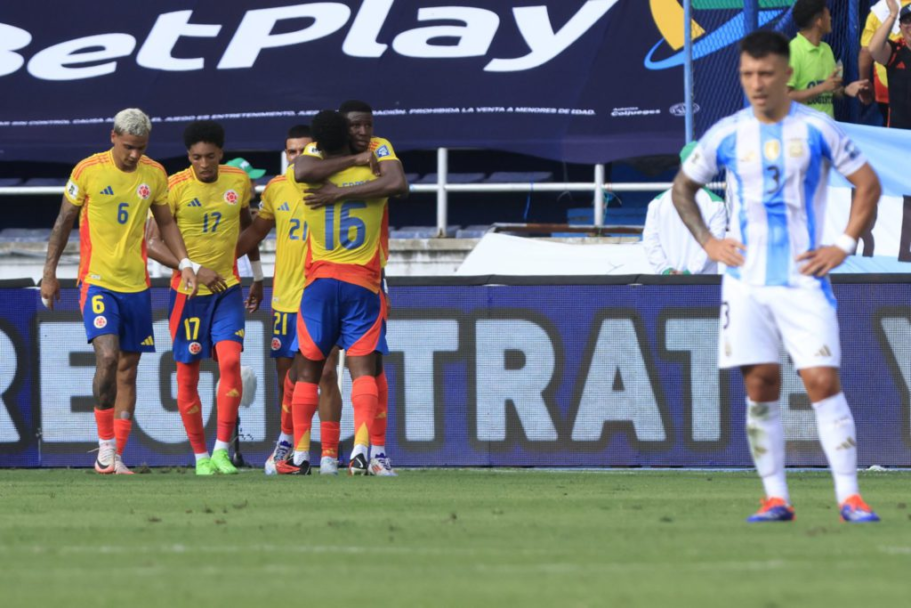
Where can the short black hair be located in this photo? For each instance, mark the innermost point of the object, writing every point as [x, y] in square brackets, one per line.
[207, 131]
[330, 130]
[353, 105]
[806, 11]
[298, 131]
[763, 43]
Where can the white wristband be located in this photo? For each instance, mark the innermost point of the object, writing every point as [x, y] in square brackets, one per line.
[257, 268]
[184, 264]
[196, 267]
[846, 243]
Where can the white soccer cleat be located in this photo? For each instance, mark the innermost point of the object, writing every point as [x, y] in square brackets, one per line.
[282, 451]
[119, 467]
[380, 466]
[328, 466]
[104, 463]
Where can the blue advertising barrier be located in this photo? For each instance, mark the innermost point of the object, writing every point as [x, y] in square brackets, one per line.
[535, 373]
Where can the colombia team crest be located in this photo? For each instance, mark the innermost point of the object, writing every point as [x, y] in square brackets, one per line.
[195, 348]
[276, 344]
[231, 197]
[143, 191]
[100, 322]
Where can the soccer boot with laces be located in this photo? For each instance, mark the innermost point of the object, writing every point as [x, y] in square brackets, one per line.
[205, 467]
[119, 467]
[357, 465]
[380, 466]
[328, 466]
[287, 467]
[283, 451]
[855, 511]
[222, 462]
[104, 462]
[772, 509]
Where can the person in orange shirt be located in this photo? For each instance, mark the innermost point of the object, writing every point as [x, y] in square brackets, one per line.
[283, 209]
[211, 203]
[112, 193]
[378, 153]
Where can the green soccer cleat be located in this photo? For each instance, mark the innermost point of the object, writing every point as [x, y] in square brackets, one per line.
[222, 463]
[205, 466]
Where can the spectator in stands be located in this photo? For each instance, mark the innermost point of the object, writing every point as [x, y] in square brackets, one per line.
[896, 56]
[816, 77]
[670, 247]
[243, 263]
[878, 14]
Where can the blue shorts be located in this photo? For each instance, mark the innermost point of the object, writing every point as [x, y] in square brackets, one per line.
[125, 315]
[284, 335]
[334, 312]
[201, 322]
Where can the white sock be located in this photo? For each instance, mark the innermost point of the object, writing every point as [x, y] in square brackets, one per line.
[221, 445]
[107, 442]
[765, 434]
[201, 456]
[300, 457]
[359, 450]
[286, 438]
[837, 435]
[377, 451]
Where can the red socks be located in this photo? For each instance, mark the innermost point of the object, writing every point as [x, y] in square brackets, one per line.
[189, 405]
[364, 397]
[328, 436]
[287, 399]
[230, 387]
[104, 420]
[122, 430]
[303, 405]
[378, 427]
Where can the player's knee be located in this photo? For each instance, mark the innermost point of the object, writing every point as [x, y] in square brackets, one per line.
[821, 383]
[329, 378]
[106, 362]
[763, 386]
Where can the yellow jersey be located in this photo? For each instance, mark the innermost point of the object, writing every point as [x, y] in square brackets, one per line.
[344, 240]
[384, 151]
[282, 203]
[879, 12]
[208, 216]
[114, 206]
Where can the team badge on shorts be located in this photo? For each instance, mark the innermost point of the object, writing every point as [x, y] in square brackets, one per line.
[231, 197]
[276, 344]
[101, 322]
[143, 191]
[195, 348]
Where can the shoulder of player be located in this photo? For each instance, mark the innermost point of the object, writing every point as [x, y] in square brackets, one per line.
[376, 142]
[235, 175]
[274, 183]
[724, 128]
[180, 177]
[93, 162]
[819, 120]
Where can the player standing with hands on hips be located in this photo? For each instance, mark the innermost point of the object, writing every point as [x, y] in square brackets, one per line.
[778, 154]
[112, 193]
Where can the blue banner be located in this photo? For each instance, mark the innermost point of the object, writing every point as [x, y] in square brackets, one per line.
[589, 81]
[522, 375]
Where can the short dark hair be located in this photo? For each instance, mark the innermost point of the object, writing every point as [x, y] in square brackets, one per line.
[330, 130]
[353, 105]
[207, 131]
[806, 11]
[298, 131]
[763, 43]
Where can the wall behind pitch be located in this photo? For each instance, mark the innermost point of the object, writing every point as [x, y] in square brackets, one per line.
[584, 374]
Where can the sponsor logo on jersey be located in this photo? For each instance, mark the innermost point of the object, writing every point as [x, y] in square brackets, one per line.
[143, 191]
[109, 191]
[284, 207]
[195, 348]
[276, 344]
[382, 151]
[101, 322]
[194, 203]
[231, 197]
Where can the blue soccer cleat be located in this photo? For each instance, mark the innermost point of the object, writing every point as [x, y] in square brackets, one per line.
[772, 509]
[855, 511]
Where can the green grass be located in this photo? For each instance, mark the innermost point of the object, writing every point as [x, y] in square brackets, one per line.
[443, 538]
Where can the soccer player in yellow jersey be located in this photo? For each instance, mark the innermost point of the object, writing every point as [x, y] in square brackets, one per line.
[210, 203]
[379, 154]
[112, 193]
[283, 209]
[341, 302]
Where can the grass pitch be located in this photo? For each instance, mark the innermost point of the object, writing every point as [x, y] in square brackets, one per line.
[444, 538]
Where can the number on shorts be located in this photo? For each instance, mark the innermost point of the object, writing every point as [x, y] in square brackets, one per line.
[97, 304]
[123, 213]
[191, 326]
[280, 326]
[725, 315]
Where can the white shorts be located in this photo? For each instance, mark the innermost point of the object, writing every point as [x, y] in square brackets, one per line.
[755, 320]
